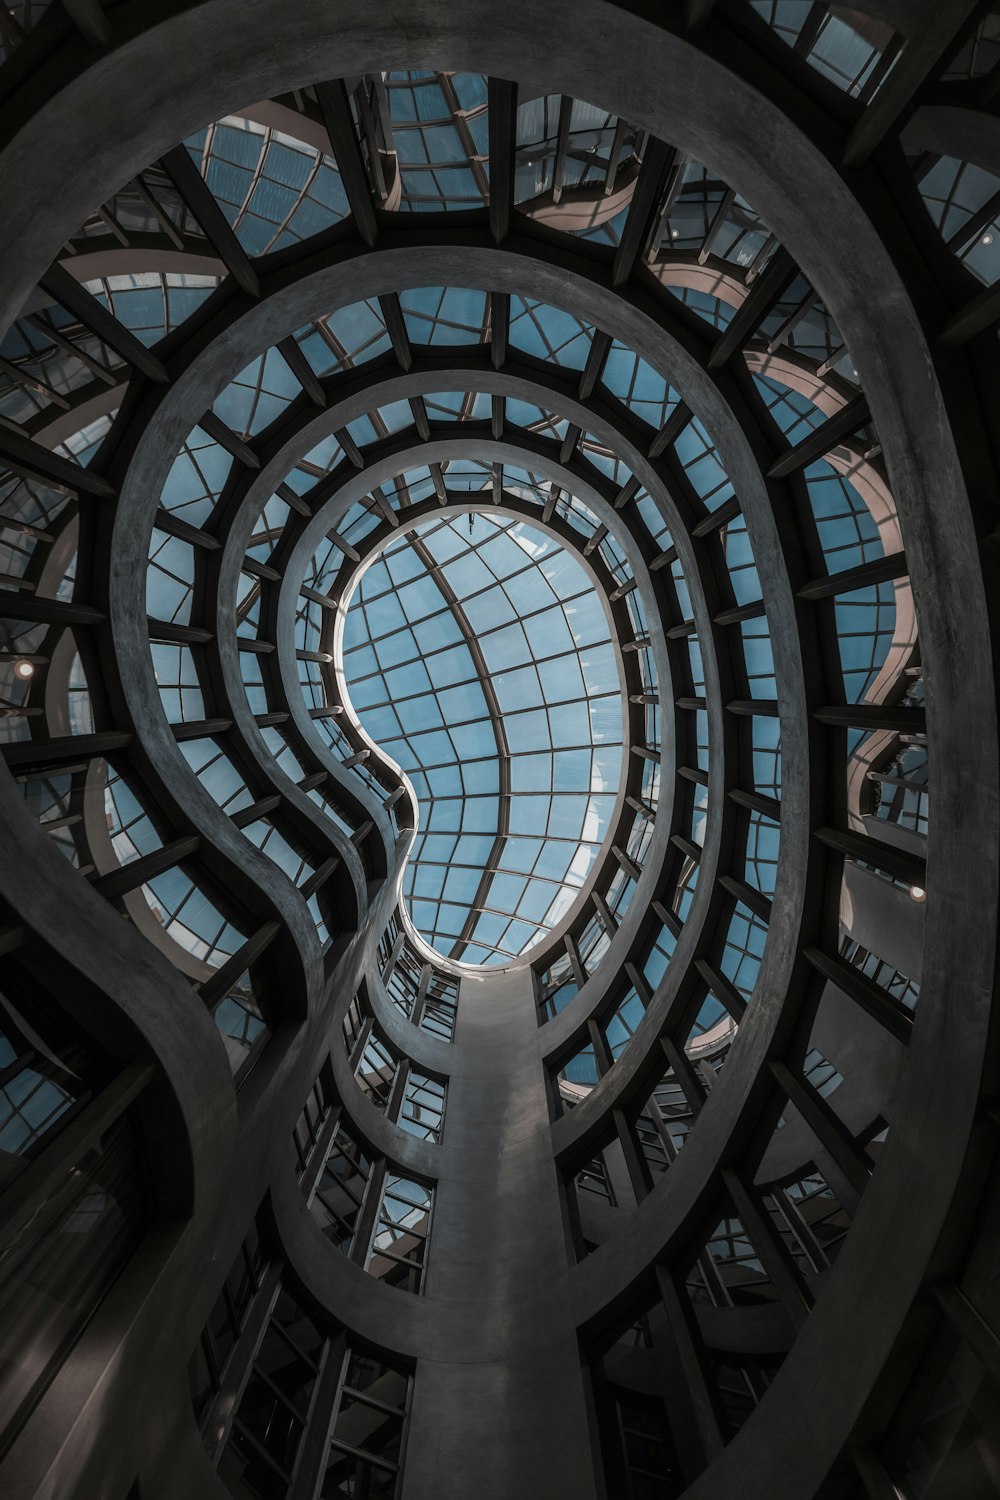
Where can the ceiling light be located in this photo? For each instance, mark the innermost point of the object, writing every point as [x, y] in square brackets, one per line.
[987, 239]
[24, 670]
[917, 893]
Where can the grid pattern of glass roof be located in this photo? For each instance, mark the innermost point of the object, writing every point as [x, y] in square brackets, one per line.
[273, 189]
[439, 129]
[477, 654]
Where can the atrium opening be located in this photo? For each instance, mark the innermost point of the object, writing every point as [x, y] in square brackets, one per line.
[498, 752]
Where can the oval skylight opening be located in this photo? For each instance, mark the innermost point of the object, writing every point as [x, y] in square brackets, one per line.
[478, 655]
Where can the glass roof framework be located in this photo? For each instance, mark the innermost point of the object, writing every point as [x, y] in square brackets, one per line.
[699, 222]
[478, 655]
[824, 503]
[449, 315]
[567, 153]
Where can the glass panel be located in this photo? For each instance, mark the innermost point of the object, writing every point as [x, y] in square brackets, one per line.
[478, 657]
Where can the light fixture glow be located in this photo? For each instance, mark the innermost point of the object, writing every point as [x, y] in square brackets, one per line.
[917, 893]
[24, 670]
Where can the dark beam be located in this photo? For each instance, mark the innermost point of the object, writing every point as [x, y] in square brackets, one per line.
[259, 809]
[218, 985]
[771, 1249]
[31, 755]
[46, 327]
[129, 877]
[351, 450]
[84, 306]
[769, 286]
[826, 1126]
[562, 146]
[502, 144]
[723, 989]
[421, 421]
[594, 368]
[89, 20]
[671, 429]
[395, 323]
[168, 630]
[499, 328]
[35, 462]
[291, 353]
[14, 606]
[197, 729]
[231, 441]
[979, 313]
[335, 106]
[871, 997]
[200, 201]
[935, 29]
[717, 225]
[614, 156]
[755, 801]
[440, 488]
[643, 209]
[697, 12]
[569, 443]
[822, 438]
[293, 500]
[165, 520]
[749, 895]
[900, 718]
[879, 570]
[889, 857]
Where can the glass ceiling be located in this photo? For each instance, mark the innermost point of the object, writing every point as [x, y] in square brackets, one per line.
[477, 654]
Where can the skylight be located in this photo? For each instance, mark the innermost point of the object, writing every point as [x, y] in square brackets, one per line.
[477, 654]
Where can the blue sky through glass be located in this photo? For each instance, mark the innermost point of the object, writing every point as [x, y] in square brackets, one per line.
[477, 654]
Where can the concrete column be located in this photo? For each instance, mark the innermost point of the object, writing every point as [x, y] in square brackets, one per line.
[509, 1417]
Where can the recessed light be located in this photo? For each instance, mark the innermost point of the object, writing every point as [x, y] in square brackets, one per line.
[24, 670]
[917, 893]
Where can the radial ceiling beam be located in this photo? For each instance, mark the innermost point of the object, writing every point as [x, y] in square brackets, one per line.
[936, 29]
[593, 370]
[978, 314]
[503, 147]
[768, 289]
[418, 410]
[865, 575]
[823, 438]
[45, 327]
[335, 105]
[697, 12]
[233, 444]
[85, 307]
[614, 156]
[201, 202]
[562, 146]
[644, 208]
[499, 328]
[89, 20]
[20, 606]
[291, 353]
[34, 461]
[395, 323]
